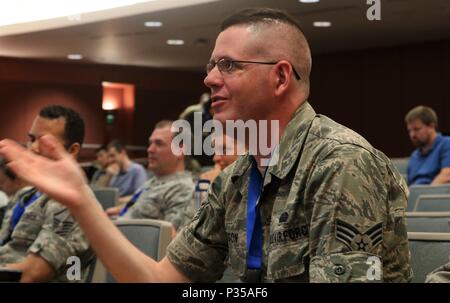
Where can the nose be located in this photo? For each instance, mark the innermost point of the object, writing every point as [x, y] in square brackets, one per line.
[150, 149]
[213, 78]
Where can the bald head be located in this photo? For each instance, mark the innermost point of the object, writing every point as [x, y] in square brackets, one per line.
[276, 36]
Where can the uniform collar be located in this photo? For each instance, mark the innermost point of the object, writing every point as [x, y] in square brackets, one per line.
[174, 176]
[287, 151]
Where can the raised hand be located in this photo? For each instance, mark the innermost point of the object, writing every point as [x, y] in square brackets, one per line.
[53, 172]
[113, 169]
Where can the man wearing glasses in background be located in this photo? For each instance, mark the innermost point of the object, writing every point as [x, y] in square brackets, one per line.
[331, 209]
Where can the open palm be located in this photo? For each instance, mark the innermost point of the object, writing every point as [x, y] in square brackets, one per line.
[53, 172]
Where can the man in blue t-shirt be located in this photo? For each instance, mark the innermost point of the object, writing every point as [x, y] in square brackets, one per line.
[430, 162]
[123, 173]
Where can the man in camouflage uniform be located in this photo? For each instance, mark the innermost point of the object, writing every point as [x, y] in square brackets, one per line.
[169, 194]
[40, 241]
[331, 207]
[13, 187]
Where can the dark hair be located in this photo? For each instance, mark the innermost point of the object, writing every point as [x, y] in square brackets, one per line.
[259, 15]
[423, 113]
[74, 124]
[117, 144]
[9, 173]
[102, 147]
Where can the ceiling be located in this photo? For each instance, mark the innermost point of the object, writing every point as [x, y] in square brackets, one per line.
[118, 36]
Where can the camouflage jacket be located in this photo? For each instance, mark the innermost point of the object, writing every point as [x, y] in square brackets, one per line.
[168, 198]
[332, 210]
[8, 211]
[48, 230]
[439, 275]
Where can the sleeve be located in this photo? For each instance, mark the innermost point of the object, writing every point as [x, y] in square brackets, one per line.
[445, 154]
[439, 275]
[140, 178]
[358, 230]
[200, 249]
[60, 238]
[178, 207]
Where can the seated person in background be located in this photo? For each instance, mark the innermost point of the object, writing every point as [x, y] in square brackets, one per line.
[41, 234]
[430, 162]
[168, 195]
[123, 173]
[13, 187]
[201, 110]
[99, 178]
[228, 148]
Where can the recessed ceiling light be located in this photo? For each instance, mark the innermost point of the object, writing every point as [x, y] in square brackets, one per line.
[74, 56]
[153, 24]
[309, 1]
[175, 42]
[322, 23]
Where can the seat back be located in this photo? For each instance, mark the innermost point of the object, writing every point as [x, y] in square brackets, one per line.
[428, 252]
[150, 236]
[438, 222]
[401, 164]
[106, 196]
[434, 203]
[417, 190]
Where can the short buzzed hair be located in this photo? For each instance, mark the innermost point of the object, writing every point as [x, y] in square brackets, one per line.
[296, 46]
[163, 124]
[424, 114]
[167, 123]
[73, 127]
[117, 144]
[258, 16]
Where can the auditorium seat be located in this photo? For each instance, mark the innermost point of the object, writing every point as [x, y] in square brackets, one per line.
[416, 190]
[433, 203]
[106, 196]
[401, 164]
[151, 236]
[428, 252]
[438, 222]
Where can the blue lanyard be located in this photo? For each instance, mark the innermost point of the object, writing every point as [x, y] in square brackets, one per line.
[19, 209]
[131, 202]
[254, 228]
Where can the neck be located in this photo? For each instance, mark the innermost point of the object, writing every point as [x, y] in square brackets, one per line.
[178, 168]
[283, 116]
[425, 149]
[126, 163]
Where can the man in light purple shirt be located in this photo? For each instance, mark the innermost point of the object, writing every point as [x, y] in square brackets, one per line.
[124, 174]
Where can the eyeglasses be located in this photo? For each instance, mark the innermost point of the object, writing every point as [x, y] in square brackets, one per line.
[227, 65]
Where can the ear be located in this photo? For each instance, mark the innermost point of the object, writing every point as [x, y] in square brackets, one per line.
[283, 74]
[74, 149]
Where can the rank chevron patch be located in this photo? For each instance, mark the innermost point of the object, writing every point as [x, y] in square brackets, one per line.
[357, 241]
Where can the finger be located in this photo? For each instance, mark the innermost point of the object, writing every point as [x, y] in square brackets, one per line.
[50, 147]
[12, 151]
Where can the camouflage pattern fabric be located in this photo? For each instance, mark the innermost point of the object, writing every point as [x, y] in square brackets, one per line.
[168, 198]
[9, 207]
[48, 230]
[330, 206]
[439, 275]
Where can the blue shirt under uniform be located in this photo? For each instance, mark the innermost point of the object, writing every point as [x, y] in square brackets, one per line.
[130, 180]
[423, 168]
